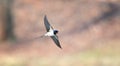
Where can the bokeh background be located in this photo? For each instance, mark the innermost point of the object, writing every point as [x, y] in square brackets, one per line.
[89, 32]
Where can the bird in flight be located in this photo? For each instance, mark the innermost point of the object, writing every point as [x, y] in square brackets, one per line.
[51, 32]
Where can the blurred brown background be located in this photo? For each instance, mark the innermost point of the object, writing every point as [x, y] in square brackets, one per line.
[89, 32]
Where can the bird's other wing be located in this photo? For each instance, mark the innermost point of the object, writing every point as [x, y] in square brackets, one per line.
[47, 24]
[55, 39]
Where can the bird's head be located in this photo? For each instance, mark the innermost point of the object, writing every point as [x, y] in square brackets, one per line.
[55, 31]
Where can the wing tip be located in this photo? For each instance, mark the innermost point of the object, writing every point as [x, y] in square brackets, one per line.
[60, 47]
[45, 16]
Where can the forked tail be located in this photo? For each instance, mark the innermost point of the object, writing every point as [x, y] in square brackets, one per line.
[29, 40]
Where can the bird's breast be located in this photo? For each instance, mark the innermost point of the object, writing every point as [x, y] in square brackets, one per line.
[51, 33]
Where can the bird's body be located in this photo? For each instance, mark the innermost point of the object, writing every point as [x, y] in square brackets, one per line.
[51, 33]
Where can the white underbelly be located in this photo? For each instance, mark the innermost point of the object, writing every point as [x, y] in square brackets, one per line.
[49, 33]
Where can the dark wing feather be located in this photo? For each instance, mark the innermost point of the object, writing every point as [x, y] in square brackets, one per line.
[55, 39]
[47, 24]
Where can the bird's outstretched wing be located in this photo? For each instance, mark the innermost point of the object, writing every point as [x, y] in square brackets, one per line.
[47, 24]
[55, 39]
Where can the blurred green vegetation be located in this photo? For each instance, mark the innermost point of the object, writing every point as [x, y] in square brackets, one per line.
[93, 57]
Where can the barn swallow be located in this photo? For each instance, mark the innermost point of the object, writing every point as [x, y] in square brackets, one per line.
[51, 32]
